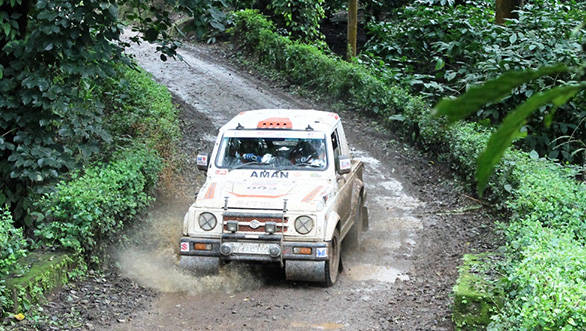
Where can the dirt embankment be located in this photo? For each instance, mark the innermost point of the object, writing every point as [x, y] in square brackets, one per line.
[421, 222]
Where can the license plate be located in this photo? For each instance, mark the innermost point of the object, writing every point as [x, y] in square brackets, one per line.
[251, 248]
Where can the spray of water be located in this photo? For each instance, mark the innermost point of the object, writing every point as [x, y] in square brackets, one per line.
[161, 273]
[152, 255]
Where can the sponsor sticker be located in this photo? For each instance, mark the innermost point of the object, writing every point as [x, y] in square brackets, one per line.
[321, 252]
[202, 160]
[345, 164]
[184, 246]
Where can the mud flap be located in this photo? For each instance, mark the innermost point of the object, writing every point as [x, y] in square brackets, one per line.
[364, 218]
[306, 271]
[200, 265]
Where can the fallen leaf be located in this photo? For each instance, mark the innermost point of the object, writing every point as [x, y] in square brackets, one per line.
[19, 317]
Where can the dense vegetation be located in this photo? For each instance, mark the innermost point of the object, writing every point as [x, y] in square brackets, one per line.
[443, 50]
[82, 130]
[546, 203]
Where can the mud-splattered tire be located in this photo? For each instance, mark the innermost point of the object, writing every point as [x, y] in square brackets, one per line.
[200, 265]
[333, 265]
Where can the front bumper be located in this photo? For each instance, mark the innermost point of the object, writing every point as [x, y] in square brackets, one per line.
[319, 250]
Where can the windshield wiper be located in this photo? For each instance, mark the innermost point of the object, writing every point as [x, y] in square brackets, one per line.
[307, 164]
[240, 166]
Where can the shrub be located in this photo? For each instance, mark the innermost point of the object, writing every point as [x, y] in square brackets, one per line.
[442, 50]
[12, 244]
[95, 205]
[140, 109]
[12, 247]
[547, 285]
[547, 194]
[299, 18]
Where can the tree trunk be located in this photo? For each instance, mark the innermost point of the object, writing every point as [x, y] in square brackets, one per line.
[505, 9]
[352, 27]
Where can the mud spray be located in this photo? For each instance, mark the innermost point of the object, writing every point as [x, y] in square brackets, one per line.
[150, 257]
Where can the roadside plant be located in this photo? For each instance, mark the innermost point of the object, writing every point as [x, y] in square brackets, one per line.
[510, 128]
[443, 50]
[209, 17]
[96, 204]
[299, 19]
[12, 244]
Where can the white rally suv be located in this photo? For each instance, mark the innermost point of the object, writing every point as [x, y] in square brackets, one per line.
[281, 188]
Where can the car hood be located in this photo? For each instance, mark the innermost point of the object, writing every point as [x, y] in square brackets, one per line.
[299, 194]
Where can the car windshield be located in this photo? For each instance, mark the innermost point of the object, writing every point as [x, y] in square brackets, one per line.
[272, 153]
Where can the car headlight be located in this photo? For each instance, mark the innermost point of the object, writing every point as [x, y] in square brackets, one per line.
[303, 224]
[207, 221]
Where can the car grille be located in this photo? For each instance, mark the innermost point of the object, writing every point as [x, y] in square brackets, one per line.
[255, 223]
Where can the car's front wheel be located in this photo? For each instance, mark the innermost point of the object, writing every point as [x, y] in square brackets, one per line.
[333, 264]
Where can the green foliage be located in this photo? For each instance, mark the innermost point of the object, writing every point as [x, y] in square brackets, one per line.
[95, 205]
[474, 98]
[547, 285]
[140, 110]
[12, 247]
[490, 91]
[546, 203]
[54, 55]
[546, 194]
[309, 67]
[443, 50]
[209, 17]
[300, 18]
[12, 244]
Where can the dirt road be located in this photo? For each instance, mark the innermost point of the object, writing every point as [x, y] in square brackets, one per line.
[421, 222]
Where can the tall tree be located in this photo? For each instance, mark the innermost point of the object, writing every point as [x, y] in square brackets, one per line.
[506, 9]
[352, 26]
[52, 55]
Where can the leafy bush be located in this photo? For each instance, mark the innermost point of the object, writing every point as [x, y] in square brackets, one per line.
[12, 244]
[547, 194]
[546, 204]
[140, 109]
[300, 18]
[12, 247]
[209, 17]
[547, 284]
[442, 50]
[95, 205]
[307, 66]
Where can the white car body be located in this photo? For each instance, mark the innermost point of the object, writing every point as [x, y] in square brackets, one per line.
[256, 195]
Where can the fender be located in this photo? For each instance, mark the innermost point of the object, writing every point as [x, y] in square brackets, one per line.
[185, 224]
[332, 220]
[357, 190]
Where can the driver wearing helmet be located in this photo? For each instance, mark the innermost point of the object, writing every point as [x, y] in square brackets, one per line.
[249, 150]
[310, 152]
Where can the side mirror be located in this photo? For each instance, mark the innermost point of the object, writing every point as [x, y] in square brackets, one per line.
[203, 161]
[344, 164]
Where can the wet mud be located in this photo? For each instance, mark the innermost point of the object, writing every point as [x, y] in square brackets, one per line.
[399, 278]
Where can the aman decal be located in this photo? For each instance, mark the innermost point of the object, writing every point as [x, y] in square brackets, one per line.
[266, 174]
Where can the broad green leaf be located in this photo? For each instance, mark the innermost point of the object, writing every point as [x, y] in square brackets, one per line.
[509, 128]
[490, 91]
[513, 38]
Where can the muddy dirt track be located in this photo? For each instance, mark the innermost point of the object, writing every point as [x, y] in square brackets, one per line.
[421, 222]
